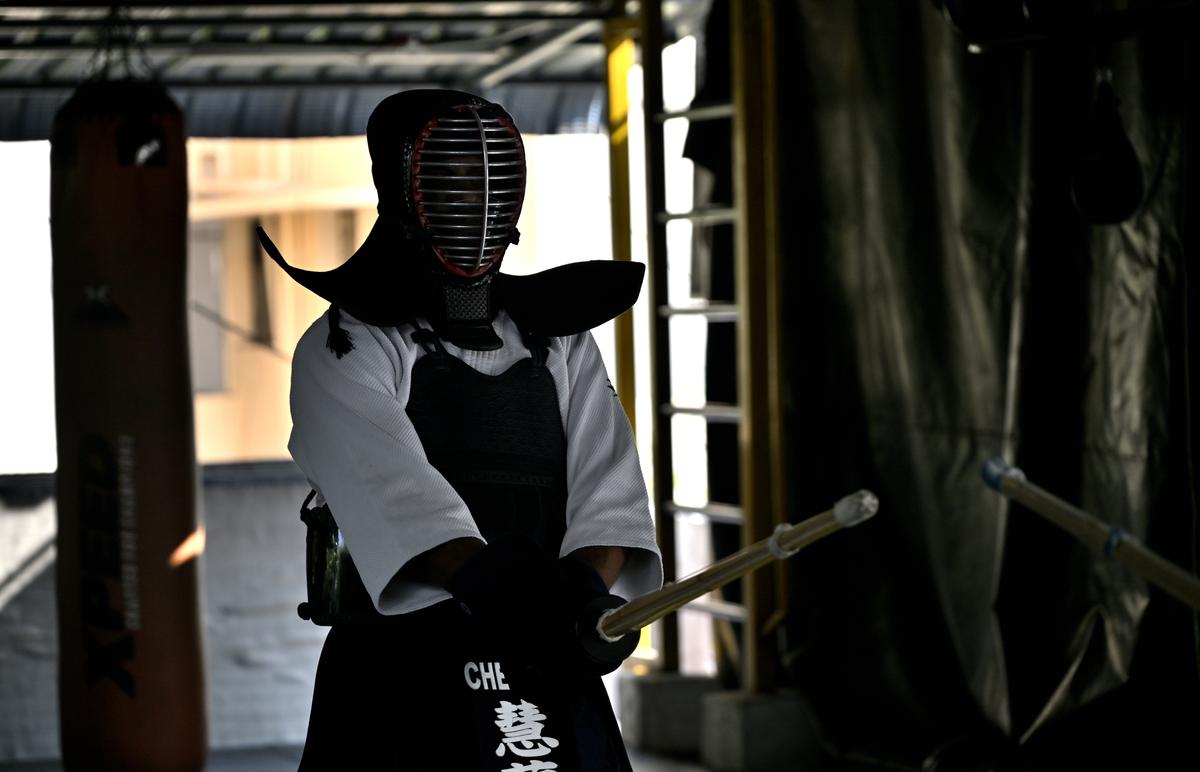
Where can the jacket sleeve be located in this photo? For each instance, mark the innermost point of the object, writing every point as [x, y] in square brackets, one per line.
[607, 503]
[353, 440]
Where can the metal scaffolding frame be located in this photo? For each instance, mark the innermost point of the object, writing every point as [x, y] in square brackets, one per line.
[756, 313]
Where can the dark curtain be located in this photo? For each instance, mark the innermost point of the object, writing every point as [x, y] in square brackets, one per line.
[946, 302]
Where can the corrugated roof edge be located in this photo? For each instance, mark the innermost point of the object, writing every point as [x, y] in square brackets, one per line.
[316, 111]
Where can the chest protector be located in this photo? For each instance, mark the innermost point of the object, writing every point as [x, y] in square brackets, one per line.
[498, 440]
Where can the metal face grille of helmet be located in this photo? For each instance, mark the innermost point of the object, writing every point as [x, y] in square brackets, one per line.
[468, 184]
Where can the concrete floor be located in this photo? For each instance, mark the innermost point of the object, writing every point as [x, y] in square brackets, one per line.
[286, 759]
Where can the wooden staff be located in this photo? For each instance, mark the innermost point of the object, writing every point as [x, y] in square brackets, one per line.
[1113, 541]
[785, 542]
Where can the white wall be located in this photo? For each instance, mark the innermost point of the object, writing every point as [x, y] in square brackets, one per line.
[260, 657]
[27, 360]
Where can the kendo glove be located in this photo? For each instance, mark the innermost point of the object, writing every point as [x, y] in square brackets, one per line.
[506, 586]
[582, 598]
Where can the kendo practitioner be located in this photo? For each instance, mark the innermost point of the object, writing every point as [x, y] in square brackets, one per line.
[477, 499]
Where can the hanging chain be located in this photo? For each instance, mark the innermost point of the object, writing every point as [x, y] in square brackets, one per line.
[120, 44]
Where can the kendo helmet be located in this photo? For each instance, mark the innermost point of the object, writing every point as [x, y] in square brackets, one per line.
[450, 171]
[450, 168]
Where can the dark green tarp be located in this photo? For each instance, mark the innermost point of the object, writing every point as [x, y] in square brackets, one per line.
[946, 302]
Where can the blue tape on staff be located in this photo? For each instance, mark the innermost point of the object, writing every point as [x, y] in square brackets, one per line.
[1116, 537]
[994, 471]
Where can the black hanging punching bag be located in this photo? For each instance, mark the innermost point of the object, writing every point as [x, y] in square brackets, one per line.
[131, 682]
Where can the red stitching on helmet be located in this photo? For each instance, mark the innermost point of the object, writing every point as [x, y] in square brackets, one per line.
[493, 253]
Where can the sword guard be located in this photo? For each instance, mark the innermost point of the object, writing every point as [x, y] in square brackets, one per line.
[602, 651]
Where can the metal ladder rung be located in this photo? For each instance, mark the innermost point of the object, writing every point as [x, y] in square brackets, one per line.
[716, 412]
[714, 312]
[714, 215]
[703, 113]
[720, 609]
[717, 513]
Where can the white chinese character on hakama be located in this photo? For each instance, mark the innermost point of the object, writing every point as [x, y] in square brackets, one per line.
[522, 728]
[533, 766]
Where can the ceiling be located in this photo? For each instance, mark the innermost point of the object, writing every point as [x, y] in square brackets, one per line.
[313, 69]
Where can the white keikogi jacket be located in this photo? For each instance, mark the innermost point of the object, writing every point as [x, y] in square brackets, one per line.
[354, 442]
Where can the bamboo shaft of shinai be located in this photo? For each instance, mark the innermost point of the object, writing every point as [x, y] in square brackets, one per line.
[1102, 537]
[655, 605]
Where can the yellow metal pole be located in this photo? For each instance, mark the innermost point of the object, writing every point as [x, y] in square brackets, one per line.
[757, 273]
[650, 35]
[621, 46]
[619, 42]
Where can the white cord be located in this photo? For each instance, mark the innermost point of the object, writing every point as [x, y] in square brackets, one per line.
[600, 627]
[775, 547]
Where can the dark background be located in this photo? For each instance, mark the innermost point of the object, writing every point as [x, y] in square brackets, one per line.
[949, 299]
